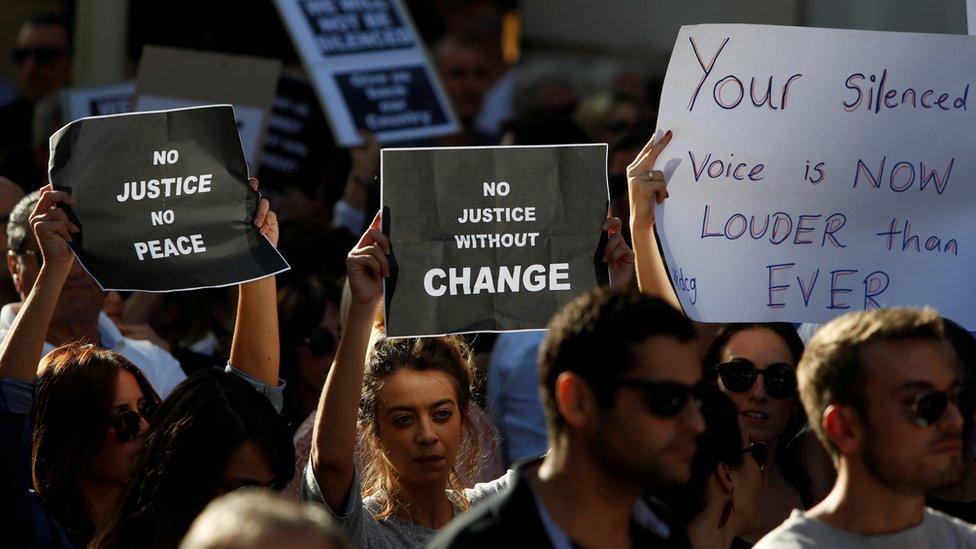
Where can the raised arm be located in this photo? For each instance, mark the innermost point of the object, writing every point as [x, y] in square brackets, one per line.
[21, 350]
[255, 349]
[335, 421]
[647, 188]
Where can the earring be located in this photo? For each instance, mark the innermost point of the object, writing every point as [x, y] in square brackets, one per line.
[727, 511]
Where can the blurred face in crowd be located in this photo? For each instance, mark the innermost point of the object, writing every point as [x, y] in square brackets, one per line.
[420, 425]
[81, 297]
[763, 417]
[10, 195]
[114, 458]
[247, 466]
[465, 76]
[641, 448]
[897, 451]
[314, 356]
[41, 60]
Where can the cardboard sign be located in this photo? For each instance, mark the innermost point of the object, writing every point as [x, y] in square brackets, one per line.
[296, 141]
[490, 238]
[172, 78]
[81, 102]
[163, 202]
[370, 69]
[815, 172]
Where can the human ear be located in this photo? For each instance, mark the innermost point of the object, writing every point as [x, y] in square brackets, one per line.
[574, 399]
[726, 478]
[842, 426]
[15, 271]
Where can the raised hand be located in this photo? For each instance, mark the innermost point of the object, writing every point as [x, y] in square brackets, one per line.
[52, 228]
[646, 186]
[265, 220]
[367, 265]
[617, 255]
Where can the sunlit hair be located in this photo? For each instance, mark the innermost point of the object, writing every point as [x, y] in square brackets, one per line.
[75, 396]
[832, 369]
[450, 355]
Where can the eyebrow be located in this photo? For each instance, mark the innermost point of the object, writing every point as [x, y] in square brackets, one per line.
[437, 404]
[914, 384]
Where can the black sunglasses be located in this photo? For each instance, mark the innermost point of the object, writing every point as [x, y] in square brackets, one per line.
[739, 375]
[42, 55]
[126, 422]
[664, 398]
[759, 453]
[927, 407]
[321, 342]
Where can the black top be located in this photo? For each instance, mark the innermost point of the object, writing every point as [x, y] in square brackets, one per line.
[511, 518]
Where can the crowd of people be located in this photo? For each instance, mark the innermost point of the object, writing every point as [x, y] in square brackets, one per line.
[276, 413]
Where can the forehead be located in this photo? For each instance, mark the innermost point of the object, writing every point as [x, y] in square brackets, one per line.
[127, 389]
[417, 389]
[760, 345]
[42, 35]
[664, 358]
[889, 364]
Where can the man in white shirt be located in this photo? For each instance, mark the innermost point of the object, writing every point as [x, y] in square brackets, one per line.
[78, 316]
[882, 393]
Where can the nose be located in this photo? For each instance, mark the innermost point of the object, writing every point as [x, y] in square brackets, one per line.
[757, 392]
[692, 419]
[426, 435]
[952, 417]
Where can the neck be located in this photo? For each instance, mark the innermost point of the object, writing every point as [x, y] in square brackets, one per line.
[101, 495]
[703, 531]
[592, 506]
[61, 332]
[859, 503]
[425, 505]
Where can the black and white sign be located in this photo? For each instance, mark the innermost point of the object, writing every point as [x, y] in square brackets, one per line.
[369, 68]
[162, 200]
[296, 142]
[81, 102]
[491, 238]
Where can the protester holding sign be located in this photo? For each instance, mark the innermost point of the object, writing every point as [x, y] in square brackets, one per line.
[92, 406]
[765, 354]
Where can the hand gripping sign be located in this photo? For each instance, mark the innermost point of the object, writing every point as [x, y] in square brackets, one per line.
[163, 202]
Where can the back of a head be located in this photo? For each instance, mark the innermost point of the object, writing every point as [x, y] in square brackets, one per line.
[832, 369]
[187, 448]
[594, 336]
[75, 395]
[255, 519]
[18, 226]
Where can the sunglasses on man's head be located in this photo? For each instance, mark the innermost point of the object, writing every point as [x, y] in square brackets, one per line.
[42, 55]
[759, 453]
[664, 398]
[928, 406]
[126, 422]
[739, 375]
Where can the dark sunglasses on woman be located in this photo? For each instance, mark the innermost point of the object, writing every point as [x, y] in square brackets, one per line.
[739, 375]
[758, 451]
[928, 406]
[42, 55]
[664, 398]
[126, 422]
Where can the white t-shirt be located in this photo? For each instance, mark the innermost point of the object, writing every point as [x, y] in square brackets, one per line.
[160, 368]
[937, 531]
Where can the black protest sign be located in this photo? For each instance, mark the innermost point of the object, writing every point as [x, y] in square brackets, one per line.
[491, 238]
[162, 198]
[391, 99]
[355, 26]
[296, 142]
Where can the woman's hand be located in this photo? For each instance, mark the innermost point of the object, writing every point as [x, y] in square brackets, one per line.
[617, 255]
[646, 186]
[265, 220]
[52, 228]
[367, 264]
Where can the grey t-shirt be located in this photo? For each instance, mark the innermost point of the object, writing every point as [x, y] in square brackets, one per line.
[937, 531]
[365, 531]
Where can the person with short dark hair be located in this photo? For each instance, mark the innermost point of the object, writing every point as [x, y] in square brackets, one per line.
[619, 377]
[885, 399]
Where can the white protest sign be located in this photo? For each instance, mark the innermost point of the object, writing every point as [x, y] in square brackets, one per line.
[971, 16]
[815, 172]
[81, 102]
[369, 68]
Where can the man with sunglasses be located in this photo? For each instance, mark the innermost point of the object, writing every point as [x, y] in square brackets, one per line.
[882, 393]
[619, 383]
[41, 60]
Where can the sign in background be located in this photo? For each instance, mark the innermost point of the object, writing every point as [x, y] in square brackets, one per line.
[172, 78]
[81, 102]
[369, 68]
[815, 172]
[162, 200]
[296, 143]
[490, 238]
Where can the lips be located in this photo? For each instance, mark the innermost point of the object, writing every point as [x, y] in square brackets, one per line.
[954, 446]
[429, 459]
[755, 415]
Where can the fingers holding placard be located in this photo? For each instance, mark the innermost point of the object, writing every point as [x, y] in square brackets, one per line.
[52, 227]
